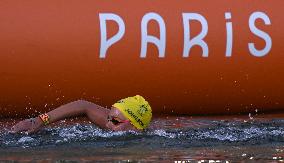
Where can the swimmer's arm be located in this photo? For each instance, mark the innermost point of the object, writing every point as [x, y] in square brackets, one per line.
[97, 114]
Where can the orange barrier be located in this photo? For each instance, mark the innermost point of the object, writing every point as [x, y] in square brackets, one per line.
[184, 57]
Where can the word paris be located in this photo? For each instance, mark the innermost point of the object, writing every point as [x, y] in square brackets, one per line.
[188, 41]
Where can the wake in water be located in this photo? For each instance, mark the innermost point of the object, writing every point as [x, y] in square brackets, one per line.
[175, 138]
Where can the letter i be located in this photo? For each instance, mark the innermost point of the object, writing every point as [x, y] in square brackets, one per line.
[229, 29]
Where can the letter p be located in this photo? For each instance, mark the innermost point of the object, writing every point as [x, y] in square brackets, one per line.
[106, 43]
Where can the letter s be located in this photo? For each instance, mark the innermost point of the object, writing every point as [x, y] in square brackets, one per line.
[259, 33]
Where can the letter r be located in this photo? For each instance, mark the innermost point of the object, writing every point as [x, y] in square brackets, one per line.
[198, 40]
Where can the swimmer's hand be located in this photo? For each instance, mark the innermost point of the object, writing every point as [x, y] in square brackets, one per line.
[28, 125]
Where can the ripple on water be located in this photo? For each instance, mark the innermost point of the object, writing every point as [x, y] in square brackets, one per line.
[179, 138]
[214, 132]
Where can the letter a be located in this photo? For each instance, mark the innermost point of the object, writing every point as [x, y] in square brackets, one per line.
[145, 38]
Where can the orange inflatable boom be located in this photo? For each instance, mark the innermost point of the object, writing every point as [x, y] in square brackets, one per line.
[184, 57]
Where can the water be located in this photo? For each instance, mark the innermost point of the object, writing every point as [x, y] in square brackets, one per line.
[168, 139]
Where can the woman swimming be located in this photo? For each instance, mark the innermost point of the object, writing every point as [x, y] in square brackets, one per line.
[132, 113]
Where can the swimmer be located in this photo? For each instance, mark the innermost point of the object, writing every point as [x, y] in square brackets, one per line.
[132, 113]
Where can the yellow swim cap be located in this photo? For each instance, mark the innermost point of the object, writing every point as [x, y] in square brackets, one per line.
[136, 109]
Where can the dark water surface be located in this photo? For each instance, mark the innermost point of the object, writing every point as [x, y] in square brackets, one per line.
[168, 139]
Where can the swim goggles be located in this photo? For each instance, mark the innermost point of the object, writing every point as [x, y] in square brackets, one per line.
[116, 120]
